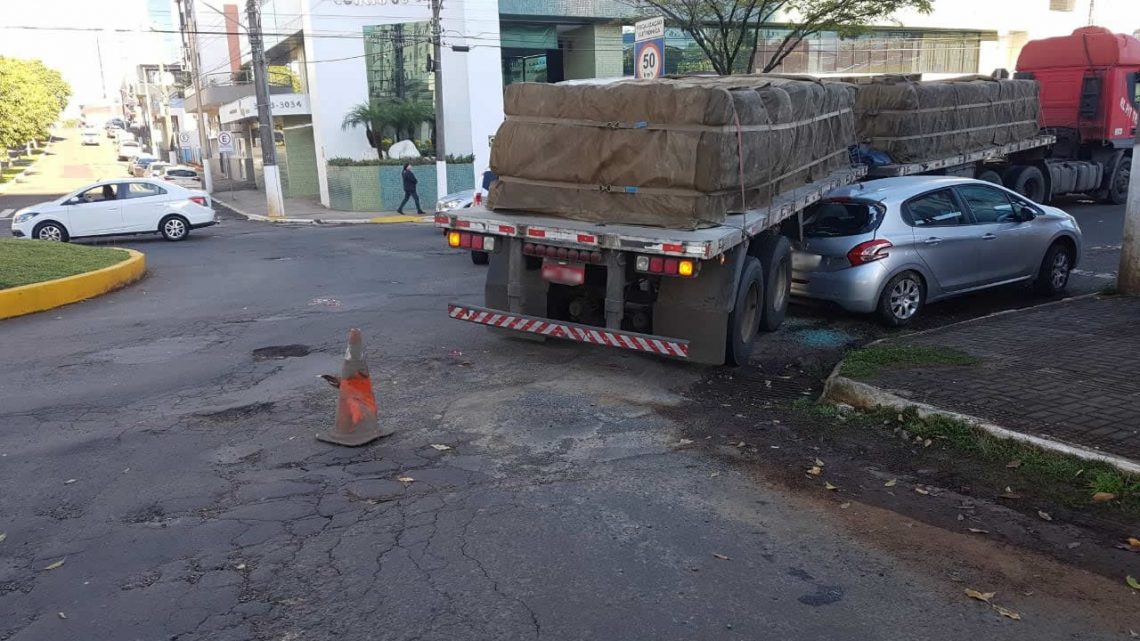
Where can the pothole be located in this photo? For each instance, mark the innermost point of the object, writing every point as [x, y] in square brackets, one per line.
[280, 351]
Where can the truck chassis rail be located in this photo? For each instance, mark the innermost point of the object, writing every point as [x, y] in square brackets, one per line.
[632, 341]
[990, 153]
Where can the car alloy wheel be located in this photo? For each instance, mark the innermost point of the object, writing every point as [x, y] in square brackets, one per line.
[50, 232]
[174, 228]
[1059, 275]
[905, 298]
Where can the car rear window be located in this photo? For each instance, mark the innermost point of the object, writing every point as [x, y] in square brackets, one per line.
[829, 219]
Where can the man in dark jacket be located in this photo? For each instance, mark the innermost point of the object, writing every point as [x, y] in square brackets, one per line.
[409, 190]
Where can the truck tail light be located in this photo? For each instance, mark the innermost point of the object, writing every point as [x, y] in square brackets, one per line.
[869, 252]
[683, 267]
[474, 242]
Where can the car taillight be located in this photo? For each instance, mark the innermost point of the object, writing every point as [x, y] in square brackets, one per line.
[199, 200]
[869, 252]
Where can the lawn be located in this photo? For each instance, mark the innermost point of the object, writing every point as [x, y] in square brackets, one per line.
[32, 261]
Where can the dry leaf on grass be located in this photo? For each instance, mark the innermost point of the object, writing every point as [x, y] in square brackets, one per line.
[441, 447]
[890, 483]
[684, 441]
[55, 566]
[720, 556]
[977, 531]
[922, 491]
[1103, 497]
[1006, 612]
[844, 506]
[829, 486]
[405, 479]
[1132, 582]
[981, 596]
[927, 443]
[1132, 542]
[741, 444]
[1044, 515]
[815, 470]
[818, 463]
[1014, 464]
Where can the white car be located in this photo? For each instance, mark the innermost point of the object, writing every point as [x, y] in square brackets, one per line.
[129, 149]
[116, 207]
[90, 136]
[182, 176]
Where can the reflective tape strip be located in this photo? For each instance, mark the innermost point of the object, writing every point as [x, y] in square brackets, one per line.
[593, 336]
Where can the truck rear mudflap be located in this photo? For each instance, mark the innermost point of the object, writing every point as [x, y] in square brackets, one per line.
[633, 341]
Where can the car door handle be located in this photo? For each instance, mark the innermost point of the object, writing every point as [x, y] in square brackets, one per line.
[933, 240]
[989, 236]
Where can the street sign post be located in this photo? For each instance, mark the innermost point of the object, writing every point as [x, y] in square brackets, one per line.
[649, 48]
[184, 139]
[225, 142]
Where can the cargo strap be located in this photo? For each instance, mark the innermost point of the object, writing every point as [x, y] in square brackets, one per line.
[973, 105]
[654, 126]
[939, 134]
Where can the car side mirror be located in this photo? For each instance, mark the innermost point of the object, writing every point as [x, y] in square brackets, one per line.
[1025, 213]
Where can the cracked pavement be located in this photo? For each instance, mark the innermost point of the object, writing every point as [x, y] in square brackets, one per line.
[176, 475]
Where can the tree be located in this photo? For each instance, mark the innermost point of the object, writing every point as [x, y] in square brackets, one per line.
[32, 96]
[393, 114]
[726, 29]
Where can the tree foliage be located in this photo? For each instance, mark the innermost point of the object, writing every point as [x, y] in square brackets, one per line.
[397, 115]
[729, 31]
[32, 96]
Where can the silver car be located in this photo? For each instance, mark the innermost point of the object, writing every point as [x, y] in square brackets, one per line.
[891, 246]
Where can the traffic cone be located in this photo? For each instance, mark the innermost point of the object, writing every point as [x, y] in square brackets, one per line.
[356, 422]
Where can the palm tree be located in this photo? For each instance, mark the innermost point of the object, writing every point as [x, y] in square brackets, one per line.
[397, 114]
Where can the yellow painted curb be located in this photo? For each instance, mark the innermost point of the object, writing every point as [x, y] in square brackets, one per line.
[396, 219]
[28, 299]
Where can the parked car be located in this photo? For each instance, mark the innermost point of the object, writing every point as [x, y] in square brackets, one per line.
[139, 164]
[156, 169]
[90, 136]
[128, 149]
[115, 207]
[183, 176]
[891, 246]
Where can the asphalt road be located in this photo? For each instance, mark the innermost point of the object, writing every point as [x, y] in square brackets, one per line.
[149, 446]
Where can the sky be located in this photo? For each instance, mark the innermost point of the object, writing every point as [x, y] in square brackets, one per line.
[93, 60]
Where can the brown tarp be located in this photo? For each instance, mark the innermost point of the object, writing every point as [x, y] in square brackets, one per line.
[677, 152]
[920, 121]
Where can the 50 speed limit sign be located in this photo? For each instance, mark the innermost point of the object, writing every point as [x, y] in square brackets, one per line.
[648, 60]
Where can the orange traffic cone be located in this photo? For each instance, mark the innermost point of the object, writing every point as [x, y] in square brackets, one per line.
[356, 422]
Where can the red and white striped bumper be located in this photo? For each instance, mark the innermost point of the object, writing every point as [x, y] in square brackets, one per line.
[571, 331]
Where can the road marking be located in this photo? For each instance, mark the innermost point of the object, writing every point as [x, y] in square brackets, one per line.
[6, 213]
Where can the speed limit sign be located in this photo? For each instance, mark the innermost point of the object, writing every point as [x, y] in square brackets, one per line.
[648, 47]
[225, 142]
[649, 60]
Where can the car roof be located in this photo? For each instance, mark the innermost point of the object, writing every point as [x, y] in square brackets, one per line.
[900, 188]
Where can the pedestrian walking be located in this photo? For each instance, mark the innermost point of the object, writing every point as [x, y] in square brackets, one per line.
[410, 182]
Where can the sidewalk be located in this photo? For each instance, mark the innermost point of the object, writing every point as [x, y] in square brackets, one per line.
[1068, 372]
[252, 204]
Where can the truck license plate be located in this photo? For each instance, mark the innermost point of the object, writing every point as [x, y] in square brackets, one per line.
[563, 273]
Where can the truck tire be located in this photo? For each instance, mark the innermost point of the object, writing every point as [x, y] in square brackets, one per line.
[1118, 188]
[744, 321]
[775, 255]
[990, 176]
[480, 258]
[1026, 180]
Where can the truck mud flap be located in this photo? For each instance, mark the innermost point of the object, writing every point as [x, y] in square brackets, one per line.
[660, 345]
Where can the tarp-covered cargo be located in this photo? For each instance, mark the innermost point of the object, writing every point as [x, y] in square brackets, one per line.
[922, 121]
[680, 152]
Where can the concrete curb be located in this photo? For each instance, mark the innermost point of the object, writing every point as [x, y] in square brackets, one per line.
[38, 297]
[15, 179]
[375, 220]
[840, 389]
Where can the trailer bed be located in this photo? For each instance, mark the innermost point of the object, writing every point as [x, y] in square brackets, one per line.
[698, 243]
[990, 153]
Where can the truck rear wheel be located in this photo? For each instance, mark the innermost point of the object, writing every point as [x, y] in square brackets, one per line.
[744, 321]
[1118, 188]
[776, 260]
[1026, 180]
[989, 176]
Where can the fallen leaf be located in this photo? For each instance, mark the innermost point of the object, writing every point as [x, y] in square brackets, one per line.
[1008, 490]
[922, 491]
[1009, 495]
[844, 506]
[1103, 497]
[405, 479]
[61, 615]
[927, 443]
[829, 486]
[443, 448]
[1132, 541]
[1079, 472]
[55, 566]
[1006, 612]
[714, 475]
[69, 481]
[1014, 464]
[720, 556]
[1132, 582]
[891, 483]
[2, 537]
[1074, 545]
[1044, 515]
[981, 596]
[240, 566]
[977, 531]
[741, 444]
[961, 518]
[819, 463]
[682, 442]
[815, 470]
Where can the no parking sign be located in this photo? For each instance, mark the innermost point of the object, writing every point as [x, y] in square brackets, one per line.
[649, 48]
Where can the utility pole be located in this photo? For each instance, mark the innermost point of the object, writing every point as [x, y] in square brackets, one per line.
[264, 114]
[1128, 280]
[437, 70]
[168, 125]
[189, 25]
